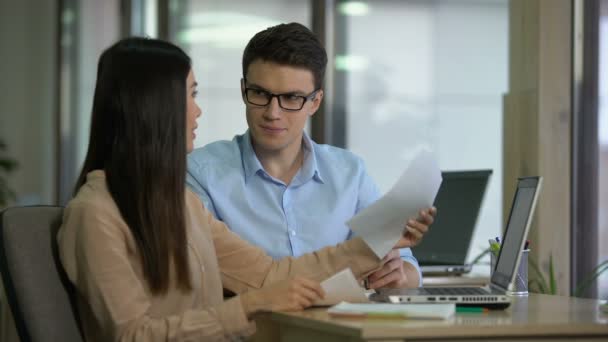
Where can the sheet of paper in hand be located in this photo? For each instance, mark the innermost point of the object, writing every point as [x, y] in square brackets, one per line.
[342, 286]
[381, 224]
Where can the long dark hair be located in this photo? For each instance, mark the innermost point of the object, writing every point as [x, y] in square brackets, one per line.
[138, 137]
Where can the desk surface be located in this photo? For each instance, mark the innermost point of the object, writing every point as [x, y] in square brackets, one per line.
[536, 316]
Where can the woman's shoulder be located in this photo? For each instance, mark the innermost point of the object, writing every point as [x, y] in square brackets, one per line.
[194, 203]
[93, 209]
[93, 195]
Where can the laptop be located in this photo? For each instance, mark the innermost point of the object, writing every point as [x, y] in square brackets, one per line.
[494, 296]
[447, 243]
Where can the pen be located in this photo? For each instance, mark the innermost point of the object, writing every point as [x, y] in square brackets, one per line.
[471, 309]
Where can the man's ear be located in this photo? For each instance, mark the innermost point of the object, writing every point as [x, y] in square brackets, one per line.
[243, 90]
[316, 102]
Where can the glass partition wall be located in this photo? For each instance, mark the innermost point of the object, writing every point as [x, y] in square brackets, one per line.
[214, 33]
[402, 74]
[425, 74]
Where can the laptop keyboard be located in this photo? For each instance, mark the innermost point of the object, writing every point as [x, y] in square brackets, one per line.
[455, 291]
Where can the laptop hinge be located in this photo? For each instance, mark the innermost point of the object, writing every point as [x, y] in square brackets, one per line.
[497, 288]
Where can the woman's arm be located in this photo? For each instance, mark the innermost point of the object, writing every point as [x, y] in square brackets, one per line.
[245, 266]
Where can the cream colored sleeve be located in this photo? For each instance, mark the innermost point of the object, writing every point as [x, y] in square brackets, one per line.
[117, 301]
[244, 266]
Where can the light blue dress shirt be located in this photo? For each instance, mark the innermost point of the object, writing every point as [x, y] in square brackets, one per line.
[286, 220]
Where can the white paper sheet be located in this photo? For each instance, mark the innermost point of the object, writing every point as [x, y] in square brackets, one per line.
[342, 286]
[381, 224]
[377, 310]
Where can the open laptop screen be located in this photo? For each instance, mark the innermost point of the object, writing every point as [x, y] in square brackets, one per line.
[516, 231]
[458, 202]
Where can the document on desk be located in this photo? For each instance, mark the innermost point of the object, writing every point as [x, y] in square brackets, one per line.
[342, 286]
[381, 224]
[377, 310]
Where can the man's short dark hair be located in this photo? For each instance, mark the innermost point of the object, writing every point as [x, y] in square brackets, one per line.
[290, 44]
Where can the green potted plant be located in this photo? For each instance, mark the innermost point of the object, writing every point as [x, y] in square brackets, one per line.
[542, 284]
[7, 165]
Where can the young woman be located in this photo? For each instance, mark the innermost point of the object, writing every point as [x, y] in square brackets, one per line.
[147, 260]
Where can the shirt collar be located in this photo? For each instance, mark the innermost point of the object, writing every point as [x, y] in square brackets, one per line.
[252, 165]
[310, 168]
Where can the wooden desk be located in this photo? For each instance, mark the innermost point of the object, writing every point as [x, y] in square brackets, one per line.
[536, 317]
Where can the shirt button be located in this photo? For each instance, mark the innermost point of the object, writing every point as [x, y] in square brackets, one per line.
[293, 233]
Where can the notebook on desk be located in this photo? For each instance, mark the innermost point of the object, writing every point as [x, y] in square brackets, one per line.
[494, 295]
[446, 245]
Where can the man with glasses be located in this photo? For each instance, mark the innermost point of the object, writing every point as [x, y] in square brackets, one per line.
[273, 185]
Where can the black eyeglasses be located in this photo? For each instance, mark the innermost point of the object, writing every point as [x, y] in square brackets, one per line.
[289, 102]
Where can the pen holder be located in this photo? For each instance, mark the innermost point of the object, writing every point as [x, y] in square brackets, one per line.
[520, 284]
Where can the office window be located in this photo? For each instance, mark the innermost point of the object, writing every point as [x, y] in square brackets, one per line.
[214, 33]
[426, 73]
[88, 27]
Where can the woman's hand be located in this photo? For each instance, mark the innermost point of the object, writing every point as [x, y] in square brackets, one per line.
[286, 295]
[415, 229]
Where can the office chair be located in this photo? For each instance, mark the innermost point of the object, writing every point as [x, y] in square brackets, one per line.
[36, 286]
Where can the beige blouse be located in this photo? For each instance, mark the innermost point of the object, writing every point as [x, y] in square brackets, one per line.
[100, 257]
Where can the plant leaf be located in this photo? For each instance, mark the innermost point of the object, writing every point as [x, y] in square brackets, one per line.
[595, 273]
[552, 276]
[542, 282]
[481, 255]
[7, 164]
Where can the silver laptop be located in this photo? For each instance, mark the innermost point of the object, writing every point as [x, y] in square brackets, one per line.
[447, 243]
[495, 295]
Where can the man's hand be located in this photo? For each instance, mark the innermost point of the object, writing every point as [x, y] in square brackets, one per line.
[415, 229]
[396, 273]
[392, 274]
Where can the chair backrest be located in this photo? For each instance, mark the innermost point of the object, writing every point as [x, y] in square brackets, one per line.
[36, 286]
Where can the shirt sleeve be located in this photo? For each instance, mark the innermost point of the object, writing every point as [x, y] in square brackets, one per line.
[244, 266]
[370, 193]
[408, 256]
[118, 303]
[368, 190]
[195, 181]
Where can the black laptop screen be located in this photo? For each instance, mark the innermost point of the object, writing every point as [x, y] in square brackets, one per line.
[458, 202]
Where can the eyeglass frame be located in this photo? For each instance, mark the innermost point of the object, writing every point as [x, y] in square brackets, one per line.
[308, 97]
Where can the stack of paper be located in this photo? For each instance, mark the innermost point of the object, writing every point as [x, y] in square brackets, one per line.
[377, 310]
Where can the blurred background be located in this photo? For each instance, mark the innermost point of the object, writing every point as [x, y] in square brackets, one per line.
[402, 74]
